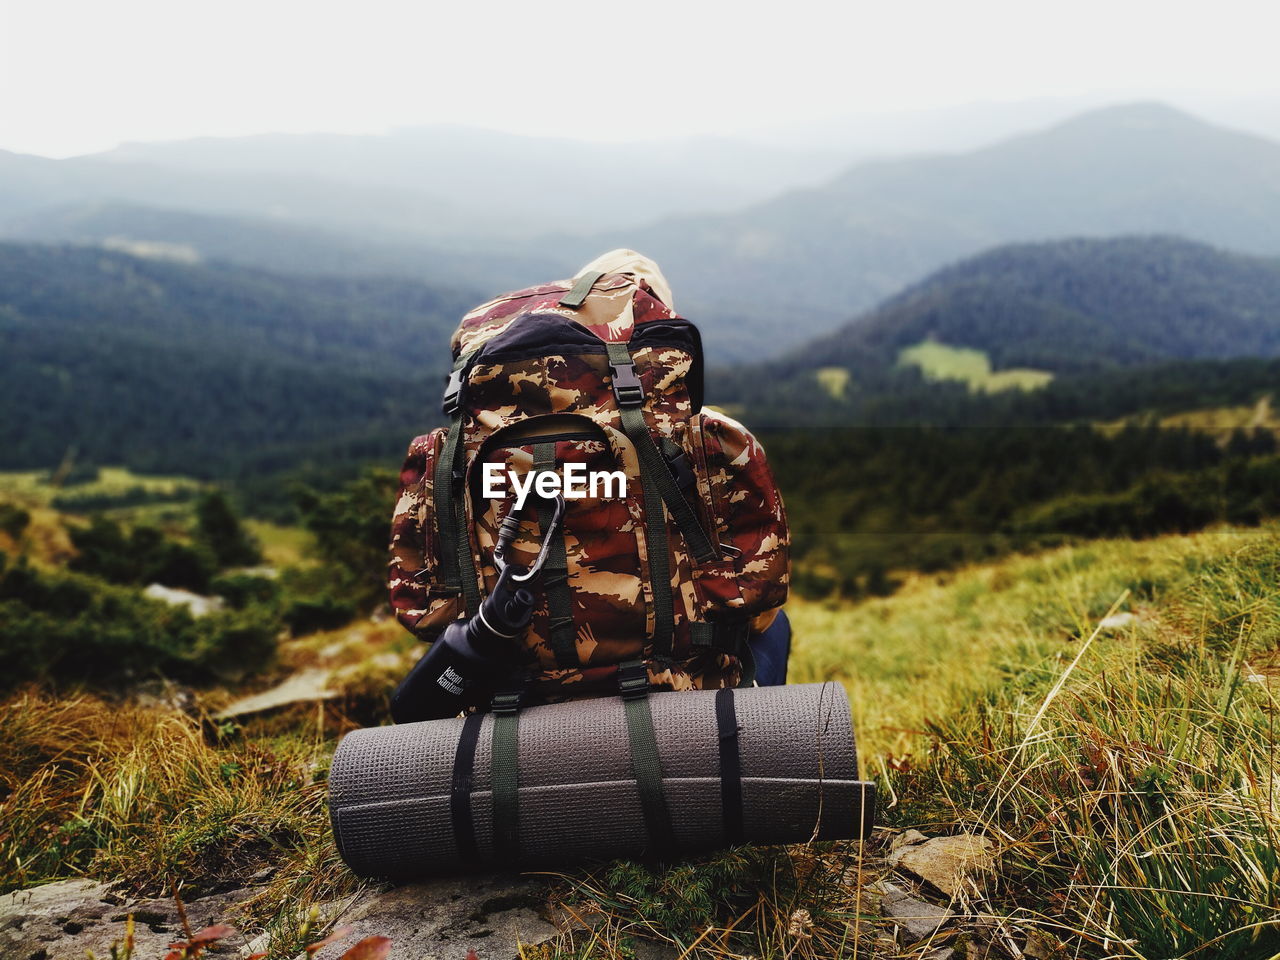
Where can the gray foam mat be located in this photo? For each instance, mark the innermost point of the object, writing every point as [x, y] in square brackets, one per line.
[389, 787]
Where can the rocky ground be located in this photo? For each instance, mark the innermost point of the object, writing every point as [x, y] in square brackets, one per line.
[924, 889]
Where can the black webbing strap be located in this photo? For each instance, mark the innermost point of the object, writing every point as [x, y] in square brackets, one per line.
[730, 767]
[464, 760]
[442, 503]
[580, 290]
[630, 397]
[467, 565]
[455, 537]
[505, 777]
[555, 572]
[659, 488]
[724, 636]
[633, 684]
[747, 659]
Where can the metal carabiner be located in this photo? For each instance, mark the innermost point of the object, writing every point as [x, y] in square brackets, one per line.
[511, 527]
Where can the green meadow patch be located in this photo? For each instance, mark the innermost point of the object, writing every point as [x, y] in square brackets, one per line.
[938, 361]
[834, 380]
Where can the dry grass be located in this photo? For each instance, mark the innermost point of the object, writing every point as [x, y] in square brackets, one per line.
[1133, 786]
[943, 641]
[805, 901]
[1129, 777]
[44, 541]
[148, 797]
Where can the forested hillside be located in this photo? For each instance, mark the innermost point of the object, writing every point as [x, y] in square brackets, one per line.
[282, 246]
[217, 370]
[1082, 304]
[1074, 308]
[210, 369]
[261, 380]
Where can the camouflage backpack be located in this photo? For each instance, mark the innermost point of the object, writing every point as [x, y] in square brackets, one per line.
[677, 572]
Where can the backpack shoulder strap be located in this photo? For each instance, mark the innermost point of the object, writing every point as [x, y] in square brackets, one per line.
[659, 488]
[451, 518]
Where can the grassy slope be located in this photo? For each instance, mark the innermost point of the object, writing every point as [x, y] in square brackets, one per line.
[941, 641]
[32, 486]
[938, 361]
[1221, 422]
[1126, 776]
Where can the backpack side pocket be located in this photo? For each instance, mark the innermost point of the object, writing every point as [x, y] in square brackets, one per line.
[750, 518]
[417, 597]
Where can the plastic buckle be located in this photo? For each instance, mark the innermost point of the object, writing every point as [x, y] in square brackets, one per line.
[633, 681]
[681, 471]
[730, 636]
[506, 704]
[627, 387]
[453, 393]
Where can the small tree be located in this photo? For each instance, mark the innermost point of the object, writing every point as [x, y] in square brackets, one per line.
[220, 530]
[350, 526]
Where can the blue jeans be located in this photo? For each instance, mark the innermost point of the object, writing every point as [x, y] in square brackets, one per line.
[771, 650]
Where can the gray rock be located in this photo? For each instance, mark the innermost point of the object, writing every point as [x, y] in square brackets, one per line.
[908, 838]
[443, 919]
[1117, 621]
[303, 687]
[655, 950]
[199, 606]
[914, 918]
[70, 918]
[946, 862]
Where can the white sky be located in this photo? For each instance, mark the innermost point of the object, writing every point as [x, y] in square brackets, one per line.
[82, 76]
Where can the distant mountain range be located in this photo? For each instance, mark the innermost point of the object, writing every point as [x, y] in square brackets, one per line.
[434, 184]
[807, 260]
[516, 185]
[283, 247]
[494, 212]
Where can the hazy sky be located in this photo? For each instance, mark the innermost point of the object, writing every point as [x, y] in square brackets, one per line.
[82, 76]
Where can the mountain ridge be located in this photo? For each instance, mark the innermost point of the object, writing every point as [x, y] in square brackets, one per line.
[887, 223]
[1080, 307]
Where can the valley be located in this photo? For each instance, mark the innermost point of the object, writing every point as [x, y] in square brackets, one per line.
[970, 691]
[1018, 396]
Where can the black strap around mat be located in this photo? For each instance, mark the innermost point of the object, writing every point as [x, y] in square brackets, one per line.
[633, 683]
[505, 777]
[555, 572]
[730, 767]
[464, 761]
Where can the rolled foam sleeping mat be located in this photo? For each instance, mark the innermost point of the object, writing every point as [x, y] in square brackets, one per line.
[416, 799]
